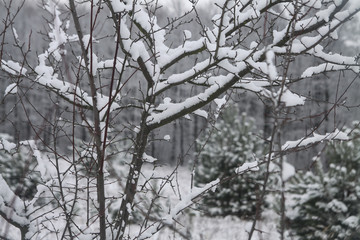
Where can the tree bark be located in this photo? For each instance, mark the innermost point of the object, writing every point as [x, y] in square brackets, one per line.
[133, 177]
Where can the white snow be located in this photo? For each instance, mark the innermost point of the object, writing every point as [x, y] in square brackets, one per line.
[288, 171]
[316, 138]
[57, 34]
[120, 6]
[324, 14]
[13, 68]
[86, 40]
[189, 102]
[109, 64]
[270, 58]
[352, 221]
[201, 113]
[43, 167]
[291, 99]
[279, 35]
[93, 65]
[48, 78]
[201, 227]
[11, 89]
[6, 145]
[181, 77]
[252, 166]
[15, 34]
[220, 102]
[169, 55]
[337, 206]
[187, 34]
[148, 158]
[11, 204]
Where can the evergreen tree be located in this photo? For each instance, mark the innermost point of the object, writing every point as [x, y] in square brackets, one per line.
[224, 148]
[327, 203]
[17, 168]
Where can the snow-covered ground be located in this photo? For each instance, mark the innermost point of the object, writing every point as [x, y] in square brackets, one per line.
[227, 228]
[202, 227]
[189, 222]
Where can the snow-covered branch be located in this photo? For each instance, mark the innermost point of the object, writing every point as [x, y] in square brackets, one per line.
[316, 138]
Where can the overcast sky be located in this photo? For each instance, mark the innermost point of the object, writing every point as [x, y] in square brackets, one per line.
[176, 6]
[185, 5]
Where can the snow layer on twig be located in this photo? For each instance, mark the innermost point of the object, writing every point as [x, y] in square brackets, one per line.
[251, 166]
[316, 138]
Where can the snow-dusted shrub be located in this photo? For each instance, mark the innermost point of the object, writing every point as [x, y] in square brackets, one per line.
[327, 203]
[226, 146]
[17, 167]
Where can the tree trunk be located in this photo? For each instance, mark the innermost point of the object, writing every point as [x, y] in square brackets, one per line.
[132, 178]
